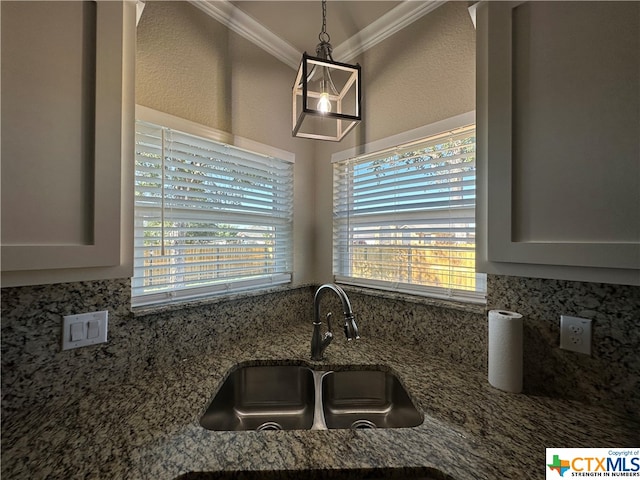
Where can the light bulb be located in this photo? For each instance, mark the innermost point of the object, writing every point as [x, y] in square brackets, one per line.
[324, 105]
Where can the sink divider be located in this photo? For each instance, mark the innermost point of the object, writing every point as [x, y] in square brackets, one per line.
[319, 422]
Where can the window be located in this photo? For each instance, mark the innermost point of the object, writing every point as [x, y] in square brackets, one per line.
[209, 218]
[404, 218]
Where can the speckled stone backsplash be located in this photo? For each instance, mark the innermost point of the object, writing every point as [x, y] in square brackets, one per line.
[457, 333]
[34, 369]
[611, 375]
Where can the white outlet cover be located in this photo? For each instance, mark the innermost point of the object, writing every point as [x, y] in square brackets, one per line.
[575, 334]
[80, 323]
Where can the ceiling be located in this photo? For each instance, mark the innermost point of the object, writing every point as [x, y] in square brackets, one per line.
[286, 29]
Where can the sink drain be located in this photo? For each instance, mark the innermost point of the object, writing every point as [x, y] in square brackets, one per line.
[269, 426]
[362, 424]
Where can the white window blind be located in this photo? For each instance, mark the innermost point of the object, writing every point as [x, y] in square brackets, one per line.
[404, 218]
[209, 218]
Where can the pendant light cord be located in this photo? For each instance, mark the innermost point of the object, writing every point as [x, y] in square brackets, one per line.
[323, 36]
[324, 48]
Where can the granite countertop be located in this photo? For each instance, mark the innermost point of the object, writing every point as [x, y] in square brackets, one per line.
[147, 425]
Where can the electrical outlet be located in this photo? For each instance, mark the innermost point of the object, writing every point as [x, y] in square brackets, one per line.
[575, 334]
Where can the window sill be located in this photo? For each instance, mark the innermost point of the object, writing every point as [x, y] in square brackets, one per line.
[177, 305]
[480, 308]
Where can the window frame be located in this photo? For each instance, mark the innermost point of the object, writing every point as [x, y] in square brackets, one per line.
[418, 135]
[219, 289]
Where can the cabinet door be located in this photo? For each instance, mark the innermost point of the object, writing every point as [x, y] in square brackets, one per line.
[559, 95]
[64, 140]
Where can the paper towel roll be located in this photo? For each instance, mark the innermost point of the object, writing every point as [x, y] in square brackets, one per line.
[505, 350]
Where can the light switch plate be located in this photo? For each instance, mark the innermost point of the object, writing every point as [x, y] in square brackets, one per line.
[84, 329]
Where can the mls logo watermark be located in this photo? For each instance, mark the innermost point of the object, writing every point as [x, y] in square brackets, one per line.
[592, 463]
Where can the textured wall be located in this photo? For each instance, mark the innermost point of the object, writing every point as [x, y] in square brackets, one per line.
[182, 64]
[420, 75]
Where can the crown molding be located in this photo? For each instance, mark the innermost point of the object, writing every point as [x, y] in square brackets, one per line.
[241, 23]
[390, 23]
[393, 21]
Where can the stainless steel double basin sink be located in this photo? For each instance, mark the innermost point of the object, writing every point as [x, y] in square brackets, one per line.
[293, 397]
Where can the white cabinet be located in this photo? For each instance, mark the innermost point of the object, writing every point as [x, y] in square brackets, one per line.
[558, 92]
[67, 140]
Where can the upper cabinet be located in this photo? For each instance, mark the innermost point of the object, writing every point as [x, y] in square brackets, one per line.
[558, 121]
[67, 140]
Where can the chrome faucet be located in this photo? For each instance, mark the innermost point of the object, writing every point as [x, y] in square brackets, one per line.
[319, 343]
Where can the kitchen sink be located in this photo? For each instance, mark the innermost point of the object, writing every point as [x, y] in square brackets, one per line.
[288, 397]
[360, 399]
[280, 397]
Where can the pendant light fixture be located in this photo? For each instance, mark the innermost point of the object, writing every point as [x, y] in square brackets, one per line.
[326, 93]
